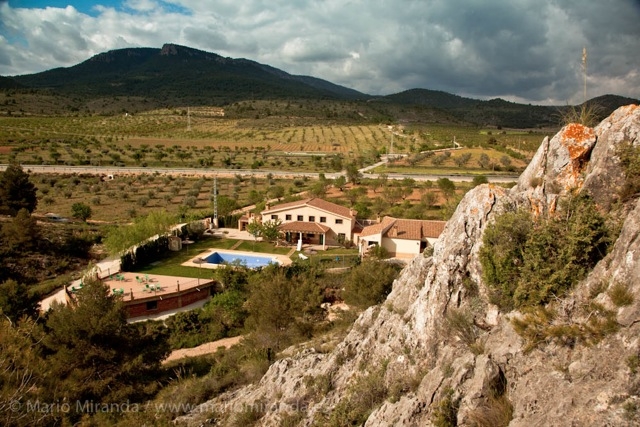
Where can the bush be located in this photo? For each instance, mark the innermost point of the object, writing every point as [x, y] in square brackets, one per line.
[369, 283]
[525, 263]
[620, 295]
[630, 162]
[460, 324]
[142, 255]
[366, 394]
[445, 413]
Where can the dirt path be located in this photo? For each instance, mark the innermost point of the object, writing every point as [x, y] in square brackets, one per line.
[206, 348]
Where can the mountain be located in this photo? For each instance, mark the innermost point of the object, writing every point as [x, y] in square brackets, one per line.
[137, 79]
[446, 348]
[498, 112]
[9, 83]
[181, 75]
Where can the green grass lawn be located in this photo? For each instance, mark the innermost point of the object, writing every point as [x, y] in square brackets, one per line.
[170, 266]
[331, 258]
[262, 247]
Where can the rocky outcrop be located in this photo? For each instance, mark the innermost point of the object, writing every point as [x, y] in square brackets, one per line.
[427, 367]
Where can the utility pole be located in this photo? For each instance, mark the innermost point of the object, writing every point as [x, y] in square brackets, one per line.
[188, 119]
[215, 201]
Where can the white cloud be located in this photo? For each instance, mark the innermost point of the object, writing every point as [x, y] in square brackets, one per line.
[516, 49]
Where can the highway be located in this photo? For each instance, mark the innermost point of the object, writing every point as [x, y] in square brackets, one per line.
[115, 171]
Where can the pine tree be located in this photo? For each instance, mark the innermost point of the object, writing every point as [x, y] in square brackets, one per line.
[16, 191]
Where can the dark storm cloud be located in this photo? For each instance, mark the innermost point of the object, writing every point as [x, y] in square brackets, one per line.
[523, 50]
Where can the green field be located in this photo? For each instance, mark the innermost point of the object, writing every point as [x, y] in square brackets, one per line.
[170, 139]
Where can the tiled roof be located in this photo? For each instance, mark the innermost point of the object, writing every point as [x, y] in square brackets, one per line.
[410, 229]
[314, 202]
[330, 207]
[304, 227]
[370, 230]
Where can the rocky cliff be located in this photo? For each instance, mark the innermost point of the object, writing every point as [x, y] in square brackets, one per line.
[437, 352]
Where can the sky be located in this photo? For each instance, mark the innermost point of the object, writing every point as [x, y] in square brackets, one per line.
[528, 51]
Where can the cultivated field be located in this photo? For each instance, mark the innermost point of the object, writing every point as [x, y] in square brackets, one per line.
[200, 138]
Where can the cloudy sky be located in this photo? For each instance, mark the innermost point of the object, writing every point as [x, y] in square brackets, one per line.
[519, 50]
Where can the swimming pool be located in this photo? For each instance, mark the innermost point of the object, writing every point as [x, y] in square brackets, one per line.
[251, 261]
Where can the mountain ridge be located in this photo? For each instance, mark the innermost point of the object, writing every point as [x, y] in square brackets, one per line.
[175, 76]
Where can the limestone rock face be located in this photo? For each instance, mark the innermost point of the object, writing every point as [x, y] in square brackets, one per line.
[423, 362]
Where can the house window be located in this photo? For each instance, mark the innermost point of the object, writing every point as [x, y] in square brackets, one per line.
[300, 218]
[323, 219]
[338, 221]
[274, 217]
[287, 217]
[152, 305]
[312, 218]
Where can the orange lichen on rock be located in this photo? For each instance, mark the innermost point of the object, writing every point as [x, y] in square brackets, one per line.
[577, 132]
[579, 141]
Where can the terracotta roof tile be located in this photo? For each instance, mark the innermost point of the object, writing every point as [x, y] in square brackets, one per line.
[314, 202]
[304, 227]
[370, 230]
[410, 229]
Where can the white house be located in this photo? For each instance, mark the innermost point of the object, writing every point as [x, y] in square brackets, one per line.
[313, 221]
[402, 238]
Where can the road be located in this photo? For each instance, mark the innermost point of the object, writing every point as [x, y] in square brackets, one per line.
[207, 348]
[115, 171]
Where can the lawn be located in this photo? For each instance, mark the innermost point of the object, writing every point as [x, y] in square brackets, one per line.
[170, 266]
[262, 247]
[331, 258]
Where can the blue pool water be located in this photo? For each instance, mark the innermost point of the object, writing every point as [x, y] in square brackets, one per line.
[250, 261]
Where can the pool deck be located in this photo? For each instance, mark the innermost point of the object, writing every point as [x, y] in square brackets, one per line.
[163, 286]
[194, 262]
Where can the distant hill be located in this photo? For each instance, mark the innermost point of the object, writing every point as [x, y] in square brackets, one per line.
[181, 75]
[498, 112]
[9, 83]
[138, 79]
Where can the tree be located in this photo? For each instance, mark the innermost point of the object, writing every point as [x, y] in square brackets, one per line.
[379, 205]
[446, 186]
[269, 230]
[95, 355]
[120, 238]
[276, 192]
[255, 229]
[21, 374]
[81, 211]
[428, 199]
[16, 191]
[479, 179]
[369, 283]
[226, 205]
[318, 189]
[353, 174]
[255, 197]
[484, 161]
[340, 182]
[22, 233]
[15, 301]
[281, 301]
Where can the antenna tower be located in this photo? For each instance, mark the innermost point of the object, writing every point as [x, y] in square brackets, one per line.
[215, 199]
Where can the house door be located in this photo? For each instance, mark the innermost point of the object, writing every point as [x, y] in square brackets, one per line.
[321, 239]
